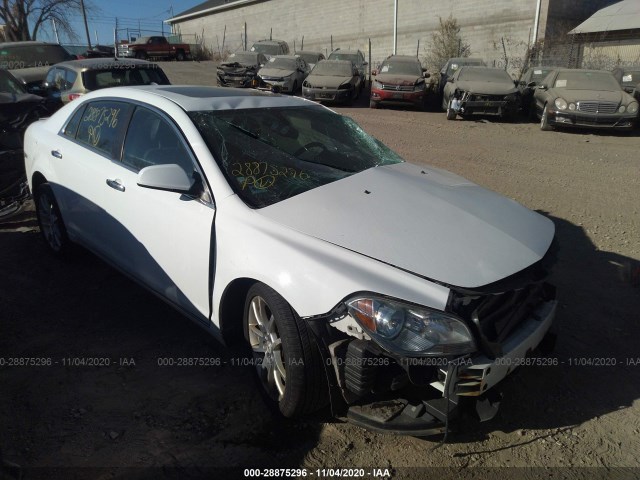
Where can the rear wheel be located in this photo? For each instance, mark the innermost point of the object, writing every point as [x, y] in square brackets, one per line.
[287, 360]
[50, 221]
[180, 56]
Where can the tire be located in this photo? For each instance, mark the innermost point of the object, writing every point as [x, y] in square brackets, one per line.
[444, 104]
[288, 362]
[180, 56]
[544, 120]
[451, 113]
[50, 221]
[373, 104]
[140, 55]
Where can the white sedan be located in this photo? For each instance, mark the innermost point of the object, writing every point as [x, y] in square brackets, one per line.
[353, 277]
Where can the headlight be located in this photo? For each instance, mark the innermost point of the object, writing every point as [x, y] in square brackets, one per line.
[418, 87]
[306, 84]
[411, 330]
[345, 86]
[572, 106]
[510, 98]
[633, 107]
[561, 104]
[622, 109]
[377, 85]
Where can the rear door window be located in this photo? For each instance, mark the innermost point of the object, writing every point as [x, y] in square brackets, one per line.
[102, 126]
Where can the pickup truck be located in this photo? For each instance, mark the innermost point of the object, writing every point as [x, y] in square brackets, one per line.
[145, 47]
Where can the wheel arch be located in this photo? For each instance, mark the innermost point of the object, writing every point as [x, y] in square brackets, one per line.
[37, 179]
[231, 310]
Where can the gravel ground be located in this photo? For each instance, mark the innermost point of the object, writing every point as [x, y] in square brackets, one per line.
[579, 419]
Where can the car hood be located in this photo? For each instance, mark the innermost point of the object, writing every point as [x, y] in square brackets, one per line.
[397, 79]
[488, 88]
[593, 95]
[31, 74]
[237, 68]
[275, 72]
[423, 220]
[330, 81]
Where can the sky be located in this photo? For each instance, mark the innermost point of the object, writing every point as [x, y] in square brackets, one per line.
[132, 14]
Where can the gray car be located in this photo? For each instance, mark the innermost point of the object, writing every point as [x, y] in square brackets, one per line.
[332, 81]
[584, 98]
[310, 57]
[284, 73]
[481, 90]
[29, 62]
[241, 69]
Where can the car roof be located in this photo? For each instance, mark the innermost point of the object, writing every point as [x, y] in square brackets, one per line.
[464, 59]
[290, 57]
[583, 70]
[310, 52]
[101, 63]
[193, 98]
[481, 67]
[270, 42]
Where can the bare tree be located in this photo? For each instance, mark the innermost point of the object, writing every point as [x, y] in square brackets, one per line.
[446, 42]
[19, 15]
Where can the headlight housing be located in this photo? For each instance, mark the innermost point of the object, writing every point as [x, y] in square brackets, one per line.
[418, 87]
[306, 84]
[345, 86]
[377, 85]
[412, 330]
[632, 107]
[560, 103]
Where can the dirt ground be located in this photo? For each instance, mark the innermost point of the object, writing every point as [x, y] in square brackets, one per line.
[137, 419]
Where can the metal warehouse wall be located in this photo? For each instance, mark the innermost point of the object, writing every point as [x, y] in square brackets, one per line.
[352, 22]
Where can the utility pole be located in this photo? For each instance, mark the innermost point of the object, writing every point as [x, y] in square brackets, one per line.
[395, 26]
[86, 26]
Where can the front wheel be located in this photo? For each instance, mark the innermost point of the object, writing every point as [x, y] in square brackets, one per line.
[451, 113]
[50, 221]
[544, 120]
[287, 360]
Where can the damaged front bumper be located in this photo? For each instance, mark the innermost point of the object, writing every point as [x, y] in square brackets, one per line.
[383, 392]
[470, 104]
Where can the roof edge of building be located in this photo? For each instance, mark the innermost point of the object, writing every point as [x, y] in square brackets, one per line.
[206, 11]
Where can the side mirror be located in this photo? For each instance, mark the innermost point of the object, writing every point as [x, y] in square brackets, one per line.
[531, 84]
[426, 75]
[169, 177]
[542, 87]
[374, 73]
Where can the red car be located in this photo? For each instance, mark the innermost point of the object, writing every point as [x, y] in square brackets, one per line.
[399, 81]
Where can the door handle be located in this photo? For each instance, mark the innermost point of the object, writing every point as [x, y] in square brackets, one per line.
[115, 184]
[56, 153]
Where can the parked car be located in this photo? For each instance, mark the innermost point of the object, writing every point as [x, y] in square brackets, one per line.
[101, 51]
[451, 67]
[357, 57]
[241, 69]
[284, 73]
[481, 90]
[332, 81]
[29, 62]
[271, 48]
[352, 276]
[18, 109]
[399, 81]
[67, 81]
[154, 47]
[584, 98]
[310, 57]
[527, 85]
[629, 79]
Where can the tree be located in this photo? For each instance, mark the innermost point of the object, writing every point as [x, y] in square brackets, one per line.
[18, 15]
[446, 42]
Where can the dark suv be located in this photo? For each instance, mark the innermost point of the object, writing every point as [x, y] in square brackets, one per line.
[356, 57]
[30, 61]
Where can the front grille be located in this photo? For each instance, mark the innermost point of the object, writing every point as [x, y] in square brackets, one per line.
[398, 88]
[597, 107]
[485, 98]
